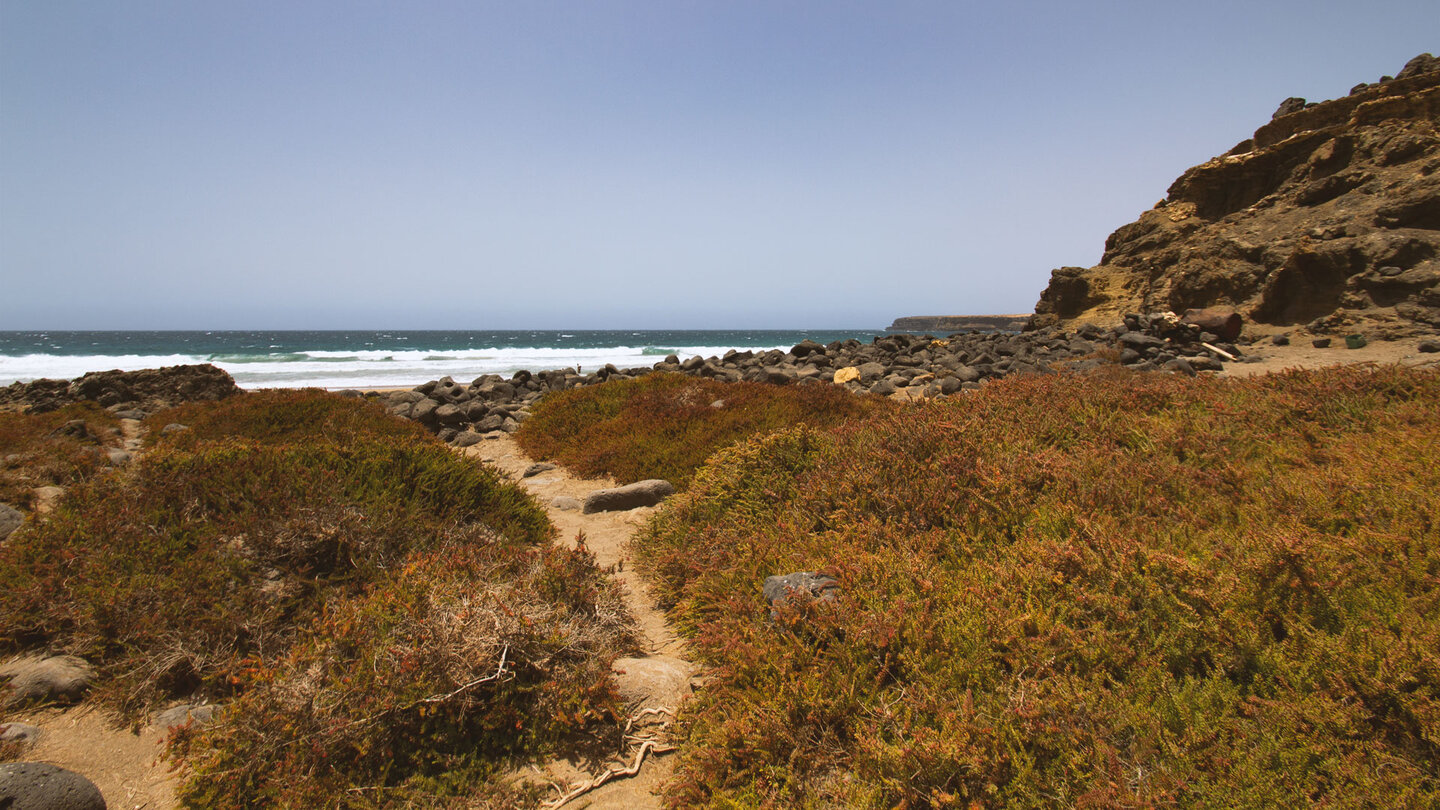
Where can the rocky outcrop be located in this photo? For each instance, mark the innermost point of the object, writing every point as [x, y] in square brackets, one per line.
[959, 323]
[1328, 217]
[146, 390]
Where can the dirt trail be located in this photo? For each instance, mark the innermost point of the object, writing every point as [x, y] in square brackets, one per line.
[653, 683]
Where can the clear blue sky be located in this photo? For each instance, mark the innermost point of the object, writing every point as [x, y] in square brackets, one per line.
[593, 164]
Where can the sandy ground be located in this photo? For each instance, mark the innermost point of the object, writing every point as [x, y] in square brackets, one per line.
[1300, 354]
[654, 683]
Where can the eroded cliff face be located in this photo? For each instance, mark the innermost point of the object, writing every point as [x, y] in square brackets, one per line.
[1329, 218]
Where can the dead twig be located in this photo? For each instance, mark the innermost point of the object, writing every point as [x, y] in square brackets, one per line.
[611, 773]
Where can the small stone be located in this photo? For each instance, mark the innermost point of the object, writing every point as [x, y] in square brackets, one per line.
[1321, 343]
[19, 733]
[565, 503]
[174, 427]
[1429, 346]
[184, 715]
[11, 518]
[466, 438]
[537, 468]
[38, 786]
[805, 584]
[1355, 341]
[117, 456]
[1280, 340]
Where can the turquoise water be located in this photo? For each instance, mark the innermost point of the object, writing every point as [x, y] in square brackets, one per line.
[382, 358]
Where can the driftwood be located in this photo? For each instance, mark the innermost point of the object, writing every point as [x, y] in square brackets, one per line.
[1220, 351]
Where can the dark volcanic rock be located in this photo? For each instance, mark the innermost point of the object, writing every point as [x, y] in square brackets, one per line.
[149, 389]
[1306, 223]
[38, 786]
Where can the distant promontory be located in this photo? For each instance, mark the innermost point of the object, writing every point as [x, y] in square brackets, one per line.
[959, 323]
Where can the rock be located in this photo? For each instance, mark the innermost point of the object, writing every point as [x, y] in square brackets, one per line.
[1179, 365]
[1140, 342]
[131, 413]
[537, 468]
[630, 496]
[652, 682]
[1223, 322]
[807, 347]
[565, 503]
[38, 786]
[882, 387]
[845, 375]
[117, 456]
[59, 678]
[1355, 341]
[185, 714]
[489, 423]
[174, 427]
[23, 733]
[780, 589]
[75, 429]
[46, 497]
[870, 372]
[1280, 340]
[1290, 105]
[1321, 343]
[1429, 346]
[466, 438]
[11, 518]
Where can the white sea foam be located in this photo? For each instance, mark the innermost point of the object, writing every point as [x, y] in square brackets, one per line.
[357, 368]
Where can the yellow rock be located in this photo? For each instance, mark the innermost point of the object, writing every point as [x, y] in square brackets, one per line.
[846, 374]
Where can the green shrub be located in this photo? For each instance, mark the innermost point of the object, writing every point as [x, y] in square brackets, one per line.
[1112, 590]
[666, 425]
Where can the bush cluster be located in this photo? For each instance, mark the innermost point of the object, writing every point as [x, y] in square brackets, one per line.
[666, 425]
[343, 583]
[35, 451]
[1103, 590]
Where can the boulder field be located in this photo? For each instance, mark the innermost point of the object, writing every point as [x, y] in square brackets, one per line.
[915, 366]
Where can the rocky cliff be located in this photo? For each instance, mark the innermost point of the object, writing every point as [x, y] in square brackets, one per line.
[1328, 218]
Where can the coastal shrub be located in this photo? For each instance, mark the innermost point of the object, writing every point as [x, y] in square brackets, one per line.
[1103, 590]
[298, 543]
[36, 452]
[281, 415]
[422, 687]
[665, 425]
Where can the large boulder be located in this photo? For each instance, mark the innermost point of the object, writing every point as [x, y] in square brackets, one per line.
[631, 496]
[38, 786]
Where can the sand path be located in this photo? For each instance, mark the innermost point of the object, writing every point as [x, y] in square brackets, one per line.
[653, 683]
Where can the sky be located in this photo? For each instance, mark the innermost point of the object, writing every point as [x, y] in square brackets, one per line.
[594, 164]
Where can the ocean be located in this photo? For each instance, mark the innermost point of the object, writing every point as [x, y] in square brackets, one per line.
[375, 359]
